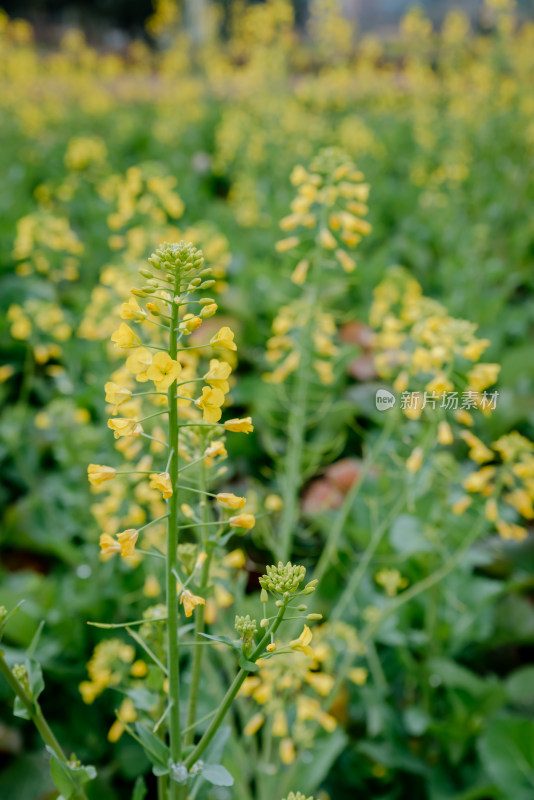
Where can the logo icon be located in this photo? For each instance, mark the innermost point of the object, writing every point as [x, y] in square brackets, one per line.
[384, 400]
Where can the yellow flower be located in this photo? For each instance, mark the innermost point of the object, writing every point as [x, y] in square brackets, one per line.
[273, 502]
[391, 580]
[474, 349]
[163, 371]
[254, 724]
[415, 460]
[116, 395]
[509, 531]
[125, 427]
[229, 500]
[126, 713]
[326, 239]
[358, 675]
[190, 601]
[321, 682]
[287, 751]
[477, 450]
[461, 505]
[124, 336]
[98, 473]
[235, 560]
[300, 272]
[491, 510]
[243, 521]
[479, 481]
[521, 501]
[224, 338]
[138, 364]
[348, 263]
[210, 403]
[127, 540]
[6, 371]
[279, 724]
[283, 245]
[109, 545]
[445, 436]
[162, 481]
[139, 668]
[216, 448]
[440, 385]
[132, 310]
[482, 376]
[302, 644]
[239, 425]
[218, 374]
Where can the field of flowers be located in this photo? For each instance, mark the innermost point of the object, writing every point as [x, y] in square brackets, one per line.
[267, 426]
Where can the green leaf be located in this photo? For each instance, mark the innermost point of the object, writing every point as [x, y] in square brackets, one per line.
[156, 750]
[506, 749]
[250, 666]
[406, 535]
[217, 775]
[520, 686]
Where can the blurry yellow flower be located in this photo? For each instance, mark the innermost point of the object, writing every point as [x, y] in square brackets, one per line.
[358, 675]
[287, 751]
[391, 580]
[482, 376]
[236, 559]
[109, 545]
[6, 371]
[254, 724]
[461, 505]
[279, 724]
[139, 669]
[98, 473]
[273, 502]
[326, 239]
[415, 460]
[151, 587]
[243, 521]
[477, 450]
[348, 263]
[216, 448]
[132, 310]
[445, 436]
[300, 272]
[283, 245]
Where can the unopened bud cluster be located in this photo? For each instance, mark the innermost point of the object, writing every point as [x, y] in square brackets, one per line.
[181, 265]
[283, 578]
[247, 629]
[21, 674]
[297, 796]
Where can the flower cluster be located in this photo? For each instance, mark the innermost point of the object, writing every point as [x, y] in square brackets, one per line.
[328, 211]
[505, 479]
[284, 346]
[425, 349]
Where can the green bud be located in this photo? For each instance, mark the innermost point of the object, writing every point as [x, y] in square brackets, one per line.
[314, 616]
[207, 284]
[206, 301]
[148, 289]
[138, 292]
[264, 596]
[302, 607]
[145, 273]
[283, 578]
[264, 622]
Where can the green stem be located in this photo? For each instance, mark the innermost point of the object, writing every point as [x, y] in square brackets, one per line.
[171, 565]
[231, 693]
[36, 715]
[292, 468]
[348, 503]
[361, 567]
[199, 618]
[426, 583]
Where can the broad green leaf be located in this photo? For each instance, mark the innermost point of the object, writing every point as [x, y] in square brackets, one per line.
[506, 749]
[217, 775]
[156, 750]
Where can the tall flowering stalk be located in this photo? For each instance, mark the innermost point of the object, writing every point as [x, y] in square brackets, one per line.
[184, 423]
[326, 222]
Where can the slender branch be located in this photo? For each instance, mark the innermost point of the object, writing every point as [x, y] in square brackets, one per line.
[173, 664]
[231, 693]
